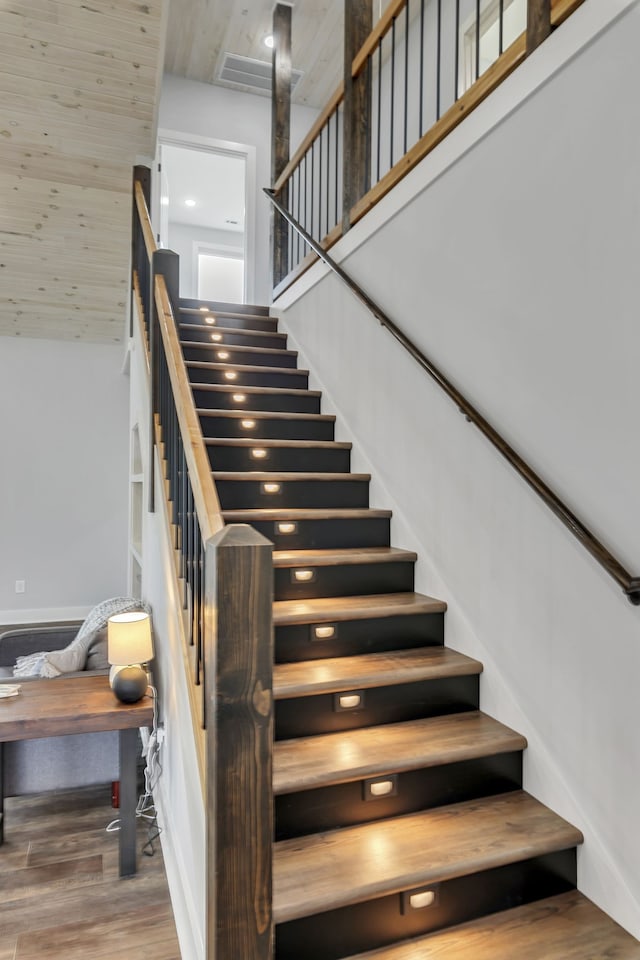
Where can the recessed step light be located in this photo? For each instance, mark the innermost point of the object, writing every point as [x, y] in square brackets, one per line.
[248, 424]
[210, 320]
[230, 375]
[222, 354]
[271, 488]
[216, 337]
[303, 576]
[354, 700]
[259, 453]
[328, 631]
[286, 527]
[380, 787]
[418, 899]
[239, 397]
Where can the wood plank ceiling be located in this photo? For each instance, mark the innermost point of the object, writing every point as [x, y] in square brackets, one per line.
[201, 31]
[79, 84]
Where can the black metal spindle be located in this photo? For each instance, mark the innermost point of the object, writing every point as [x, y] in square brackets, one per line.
[304, 206]
[501, 28]
[328, 129]
[406, 73]
[379, 133]
[393, 82]
[337, 172]
[438, 58]
[477, 39]
[457, 57]
[313, 184]
[421, 102]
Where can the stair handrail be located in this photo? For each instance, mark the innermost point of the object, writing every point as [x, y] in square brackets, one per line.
[630, 585]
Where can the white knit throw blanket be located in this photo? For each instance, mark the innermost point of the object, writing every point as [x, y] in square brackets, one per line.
[73, 658]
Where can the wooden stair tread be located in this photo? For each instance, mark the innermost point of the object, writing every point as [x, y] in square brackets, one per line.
[304, 513]
[353, 864]
[251, 390]
[242, 414]
[286, 477]
[309, 762]
[310, 677]
[564, 927]
[328, 609]
[244, 367]
[342, 556]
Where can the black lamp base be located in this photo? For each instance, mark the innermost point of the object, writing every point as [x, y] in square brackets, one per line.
[130, 684]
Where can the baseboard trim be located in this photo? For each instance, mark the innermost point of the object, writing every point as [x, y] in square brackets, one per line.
[43, 615]
[185, 911]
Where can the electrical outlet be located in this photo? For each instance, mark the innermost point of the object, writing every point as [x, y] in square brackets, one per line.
[21, 586]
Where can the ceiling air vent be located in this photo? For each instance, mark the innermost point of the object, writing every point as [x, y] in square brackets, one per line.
[252, 74]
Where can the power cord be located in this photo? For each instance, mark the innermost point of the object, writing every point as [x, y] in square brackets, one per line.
[145, 808]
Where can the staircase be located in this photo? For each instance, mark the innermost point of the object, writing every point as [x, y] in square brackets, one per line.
[402, 830]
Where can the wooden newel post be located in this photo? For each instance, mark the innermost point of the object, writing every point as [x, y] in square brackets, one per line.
[538, 23]
[280, 132]
[238, 657]
[356, 174]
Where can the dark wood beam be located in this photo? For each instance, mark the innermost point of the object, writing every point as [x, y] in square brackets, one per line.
[357, 109]
[280, 130]
[538, 23]
[239, 709]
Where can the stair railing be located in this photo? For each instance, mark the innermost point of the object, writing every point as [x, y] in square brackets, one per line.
[629, 584]
[226, 575]
[420, 71]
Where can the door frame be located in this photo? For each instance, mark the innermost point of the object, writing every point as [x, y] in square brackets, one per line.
[192, 141]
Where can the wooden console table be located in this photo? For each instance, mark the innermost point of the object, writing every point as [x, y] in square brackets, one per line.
[53, 708]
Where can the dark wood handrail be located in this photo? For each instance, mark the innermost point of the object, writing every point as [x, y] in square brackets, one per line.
[630, 585]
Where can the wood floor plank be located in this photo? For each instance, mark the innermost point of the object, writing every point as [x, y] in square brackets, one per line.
[311, 677]
[308, 762]
[361, 863]
[566, 927]
[327, 609]
[56, 908]
[38, 881]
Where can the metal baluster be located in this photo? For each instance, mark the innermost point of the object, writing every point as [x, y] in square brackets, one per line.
[406, 73]
[328, 128]
[313, 184]
[393, 81]
[337, 135]
[421, 106]
[379, 109]
[501, 28]
[477, 39]
[457, 45]
[438, 59]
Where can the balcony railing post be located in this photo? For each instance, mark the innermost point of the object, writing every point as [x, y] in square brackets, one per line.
[280, 132]
[356, 155]
[238, 660]
[538, 23]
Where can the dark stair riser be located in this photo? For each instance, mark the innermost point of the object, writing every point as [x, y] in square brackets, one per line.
[280, 459]
[375, 923]
[284, 402]
[249, 494]
[345, 804]
[324, 534]
[256, 357]
[344, 580]
[215, 373]
[228, 336]
[297, 643]
[221, 307]
[267, 428]
[308, 716]
[248, 323]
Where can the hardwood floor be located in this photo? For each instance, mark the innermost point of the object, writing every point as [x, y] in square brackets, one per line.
[60, 894]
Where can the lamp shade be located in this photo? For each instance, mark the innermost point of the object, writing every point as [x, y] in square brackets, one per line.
[129, 638]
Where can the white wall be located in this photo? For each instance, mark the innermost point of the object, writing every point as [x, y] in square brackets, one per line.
[202, 109]
[510, 257]
[178, 795]
[64, 491]
[181, 239]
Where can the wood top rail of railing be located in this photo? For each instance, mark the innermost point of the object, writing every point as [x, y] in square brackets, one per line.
[329, 110]
[205, 496]
[629, 584]
[145, 220]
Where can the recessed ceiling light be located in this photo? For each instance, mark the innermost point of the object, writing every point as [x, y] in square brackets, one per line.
[189, 203]
[268, 41]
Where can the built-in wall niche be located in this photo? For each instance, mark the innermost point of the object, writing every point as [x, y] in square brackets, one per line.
[136, 501]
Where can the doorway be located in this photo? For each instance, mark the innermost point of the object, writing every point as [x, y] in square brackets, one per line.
[204, 211]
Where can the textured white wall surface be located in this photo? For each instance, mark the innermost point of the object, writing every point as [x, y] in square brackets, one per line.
[510, 257]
